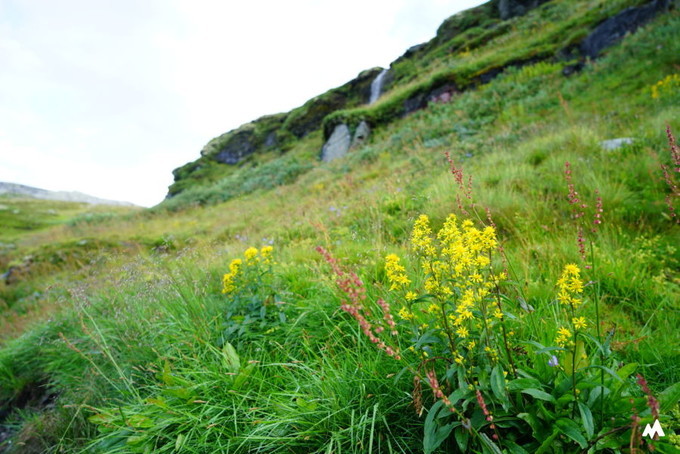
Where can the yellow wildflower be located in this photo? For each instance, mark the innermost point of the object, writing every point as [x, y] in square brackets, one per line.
[462, 332]
[250, 253]
[410, 296]
[235, 266]
[405, 314]
[396, 273]
[493, 354]
[228, 283]
[421, 236]
[579, 322]
[563, 337]
[266, 254]
[570, 286]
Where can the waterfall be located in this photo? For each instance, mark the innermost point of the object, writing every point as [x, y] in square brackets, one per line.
[376, 86]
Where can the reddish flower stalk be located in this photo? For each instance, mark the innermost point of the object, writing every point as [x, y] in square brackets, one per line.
[675, 150]
[578, 211]
[598, 211]
[668, 175]
[487, 413]
[652, 403]
[354, 288]
[437, 390]
[465, 189]
[581, 241]
[417, 395]
[387, 316]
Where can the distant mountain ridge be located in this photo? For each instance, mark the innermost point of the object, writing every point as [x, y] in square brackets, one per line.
[64, 196]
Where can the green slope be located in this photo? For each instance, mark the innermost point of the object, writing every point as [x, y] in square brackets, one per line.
[135, 348]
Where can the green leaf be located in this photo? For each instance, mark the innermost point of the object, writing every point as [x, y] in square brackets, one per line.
[606, 369]
[179, 442]
[669, 397]
[514, 448]
[102, 418]
[489, 445]
[549, 349]
[523, 383]
[534, 423]
[230, 358]
[571, 430]
[498, 385]
[547, 443]
[538, 394]
[586, 419]
[596, 393]
[140, 422]
[580, 357]
[135, 440]
[159, 402]
[626, 370]
[462, 436]
[243, 376]
[434, 433]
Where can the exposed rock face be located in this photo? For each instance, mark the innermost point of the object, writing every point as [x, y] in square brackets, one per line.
[360, 135]
[512, 8]
[231, 147]
[337, 145]
[614, 28]
[237, 147]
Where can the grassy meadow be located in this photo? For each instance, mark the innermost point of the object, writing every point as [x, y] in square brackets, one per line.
[295, 306]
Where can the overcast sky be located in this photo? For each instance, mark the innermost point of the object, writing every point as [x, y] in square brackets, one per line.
[107, 97]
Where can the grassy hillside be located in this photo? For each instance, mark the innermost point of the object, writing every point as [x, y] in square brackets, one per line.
[545, 324]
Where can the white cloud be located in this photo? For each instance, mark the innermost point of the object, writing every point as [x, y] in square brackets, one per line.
[108, 97]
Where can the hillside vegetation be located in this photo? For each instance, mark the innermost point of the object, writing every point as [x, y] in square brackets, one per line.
[482, 275]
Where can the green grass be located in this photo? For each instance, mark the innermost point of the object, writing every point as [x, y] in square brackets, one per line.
[130, 334]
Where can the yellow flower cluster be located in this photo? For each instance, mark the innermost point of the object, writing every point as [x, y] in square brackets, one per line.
[228, 284]
[252, 256]
[266, 254]
[421, 237]
[667, 84]
[570, 286]
[579, 322]
[405, 314]
[563, 337]
[460, 259]
[396, 273]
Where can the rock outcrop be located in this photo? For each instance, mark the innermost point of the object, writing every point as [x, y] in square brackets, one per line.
[235, 145]
[337, 145]
[613, 29]
[360, 135]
